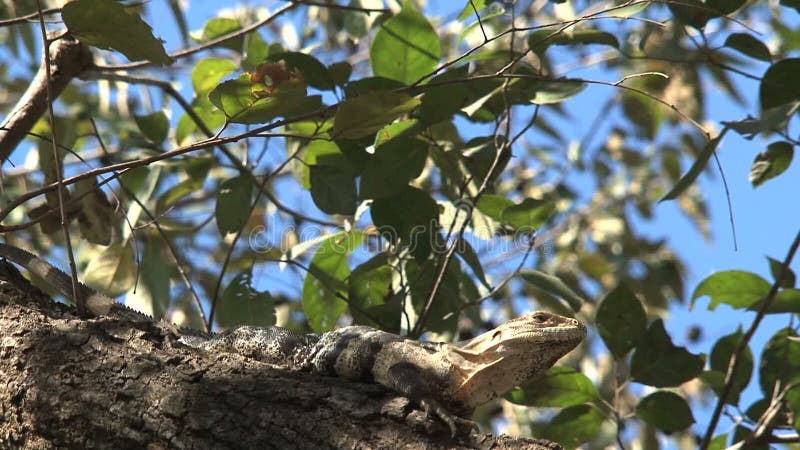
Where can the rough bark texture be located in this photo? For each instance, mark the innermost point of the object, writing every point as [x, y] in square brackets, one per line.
[103, 383]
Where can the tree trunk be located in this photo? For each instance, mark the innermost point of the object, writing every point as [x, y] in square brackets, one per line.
[105, 383]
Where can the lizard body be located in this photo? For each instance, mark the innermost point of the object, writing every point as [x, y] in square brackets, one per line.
[447, 379]
[442, 377]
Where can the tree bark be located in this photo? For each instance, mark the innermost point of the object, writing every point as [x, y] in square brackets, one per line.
[105, 383]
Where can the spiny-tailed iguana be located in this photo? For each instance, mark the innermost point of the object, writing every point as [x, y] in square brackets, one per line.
[97, 304]
[447, 379]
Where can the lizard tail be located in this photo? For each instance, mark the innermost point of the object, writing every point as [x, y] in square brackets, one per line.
[95, 303]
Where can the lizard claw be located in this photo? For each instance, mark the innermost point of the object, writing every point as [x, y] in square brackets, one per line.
[435, 409]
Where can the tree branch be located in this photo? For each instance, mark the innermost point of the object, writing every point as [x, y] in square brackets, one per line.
[165, 395]
[68, 58]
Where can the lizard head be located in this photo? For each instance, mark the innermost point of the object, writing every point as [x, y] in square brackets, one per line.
[507, 356]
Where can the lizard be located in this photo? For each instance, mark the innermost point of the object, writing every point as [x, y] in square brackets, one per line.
[448, 380]
[97, 304]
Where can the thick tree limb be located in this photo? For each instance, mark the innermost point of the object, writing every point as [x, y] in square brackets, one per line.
[103, 383]
[69, 58]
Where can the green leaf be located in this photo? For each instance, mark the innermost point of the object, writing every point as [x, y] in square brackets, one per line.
[666, 411]
[340, 72]
[467, 253]
[410, 217]
[256, 51]
[211, 117]
[242, 102]
[775, 268]
[218, 27]
[479, 155]
[356, 23]
[154, 126]
[333, 190]
[559, 387]
[364, 115]
[209, 72]
[400, 156]
[368, 85]
[719, 442]
[314, 72]
[725, 7]
[155, 281]
[96, 213]
[549, 92]
[630, 11]
[494, 11]
[242, 304]
[107, 24]
[442, 101]
[771, 163]
[299, 249]
[693, 13]
[529, 215]
[780, 361]
[553, 285]
[197, 169]
[470, 7]
[447, 161]
[697, 167]
[111, 270]
[713, 379]
[779, 84]
[372, 298]
[406, 47]
[493, 205]
[324, 153]
[658, 362]
[786, 301]
[328, 271]
[793, 401]
[736, 288]
[449, 299]
[748, 45]
[621, 320]
[574, 425]
[540, 40]
[719, 359]
[233, 204]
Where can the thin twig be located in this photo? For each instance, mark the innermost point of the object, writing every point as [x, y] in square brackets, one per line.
[195, 297]
[210, 44]
[28, 17]
[480, 23]
[262, 190]
[728, 198]
[342, 7]
[80, 302]
[125, 166]
[532, 244]
[502, 150]
[736, 357]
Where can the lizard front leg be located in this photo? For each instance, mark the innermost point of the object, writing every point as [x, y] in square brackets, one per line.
[425, 388]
